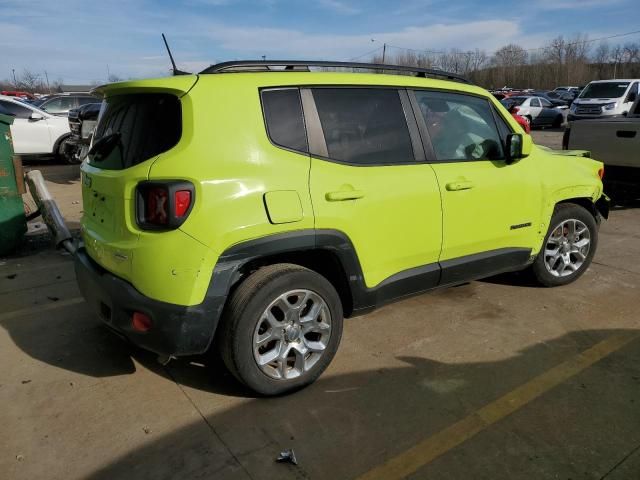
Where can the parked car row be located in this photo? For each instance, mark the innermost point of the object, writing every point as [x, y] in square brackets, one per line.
[42, 127]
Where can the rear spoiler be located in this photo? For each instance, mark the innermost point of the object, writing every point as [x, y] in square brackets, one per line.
[177, 85]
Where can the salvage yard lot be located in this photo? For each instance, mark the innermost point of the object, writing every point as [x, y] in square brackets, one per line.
[496, 377]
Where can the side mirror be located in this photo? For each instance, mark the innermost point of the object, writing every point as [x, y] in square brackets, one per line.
[35, 117]
[514, 147]
[632, 97]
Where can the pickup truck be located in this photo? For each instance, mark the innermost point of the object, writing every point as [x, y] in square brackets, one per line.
[616, 142]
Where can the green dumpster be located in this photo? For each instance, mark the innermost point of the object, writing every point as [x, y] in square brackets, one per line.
[13, 223]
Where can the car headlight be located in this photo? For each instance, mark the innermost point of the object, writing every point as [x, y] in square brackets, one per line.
[611, 106]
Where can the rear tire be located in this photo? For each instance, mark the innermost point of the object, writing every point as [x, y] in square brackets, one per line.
[281, 329]
[557, 123]
[568, 247]
[62, 155]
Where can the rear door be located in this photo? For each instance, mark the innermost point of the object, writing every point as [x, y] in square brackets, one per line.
[535, 109]
[30, 136]
[369, 179]
[490, 209]
[148, 124]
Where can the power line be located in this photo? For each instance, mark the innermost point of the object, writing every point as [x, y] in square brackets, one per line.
[441, 52]
[365, 54]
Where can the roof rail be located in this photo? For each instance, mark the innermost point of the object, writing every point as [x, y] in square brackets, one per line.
[303, 65]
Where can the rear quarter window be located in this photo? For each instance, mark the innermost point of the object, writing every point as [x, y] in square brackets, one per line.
[283, 118]
[148, 124]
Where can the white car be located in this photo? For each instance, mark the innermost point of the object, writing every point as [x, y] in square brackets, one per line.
[539, 111]
[35, 132]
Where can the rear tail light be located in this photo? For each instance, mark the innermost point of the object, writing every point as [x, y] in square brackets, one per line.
[163, 205]
[601, 173]
[140, 322]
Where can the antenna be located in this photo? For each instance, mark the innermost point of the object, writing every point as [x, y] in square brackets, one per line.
[173, 63]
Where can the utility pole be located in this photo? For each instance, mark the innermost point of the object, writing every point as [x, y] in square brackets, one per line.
[15, 84]
[108, 74]
[384, 51]
[47, 77]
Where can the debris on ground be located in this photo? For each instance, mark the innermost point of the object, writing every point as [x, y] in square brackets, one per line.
[20, 457]
[146, 430]
[26, 381]
[287, 456]
[12, 276]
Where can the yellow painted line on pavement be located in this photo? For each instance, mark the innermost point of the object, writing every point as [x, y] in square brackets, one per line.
[431, 448]
[40, 308]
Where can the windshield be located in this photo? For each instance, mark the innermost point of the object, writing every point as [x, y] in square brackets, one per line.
[605, 90]
[146, 124]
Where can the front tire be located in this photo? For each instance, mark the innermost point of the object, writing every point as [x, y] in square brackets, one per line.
[568, 247]
[281, 329]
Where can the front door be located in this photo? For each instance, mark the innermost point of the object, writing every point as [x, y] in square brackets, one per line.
[369, 180]
[491, 210]
[30, 135]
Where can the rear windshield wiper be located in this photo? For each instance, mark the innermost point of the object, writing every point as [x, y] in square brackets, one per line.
[103, 147]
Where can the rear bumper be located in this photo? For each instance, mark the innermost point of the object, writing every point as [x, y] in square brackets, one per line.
[176, 330]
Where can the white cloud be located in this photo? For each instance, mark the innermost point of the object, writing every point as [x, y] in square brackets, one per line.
[489, 35]
[573, 4]
[339, 7]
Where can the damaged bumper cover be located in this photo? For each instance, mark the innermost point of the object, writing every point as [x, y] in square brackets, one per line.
[175, 329]
[602, 205]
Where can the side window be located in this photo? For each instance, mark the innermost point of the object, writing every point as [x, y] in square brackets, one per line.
[85, 100]
[546, 103]
[534, 102]
[364, 126]
[461, 127]
[503, 127]
[59, 105]
[16, 110]
[283, 118]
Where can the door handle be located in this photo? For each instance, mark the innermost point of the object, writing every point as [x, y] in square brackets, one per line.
[626, 134]
[342, 195]
[460, 185]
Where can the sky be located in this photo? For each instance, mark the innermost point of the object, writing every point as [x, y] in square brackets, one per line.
[82, 41]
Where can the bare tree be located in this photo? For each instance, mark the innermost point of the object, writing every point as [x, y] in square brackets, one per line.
[30, 81]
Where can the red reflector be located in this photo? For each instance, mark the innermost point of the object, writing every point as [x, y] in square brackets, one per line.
[140, 322]
[601, 173]
[157, 200]
[182, 202]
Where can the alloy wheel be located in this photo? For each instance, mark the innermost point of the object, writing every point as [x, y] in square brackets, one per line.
[567, 248]
[292, 334]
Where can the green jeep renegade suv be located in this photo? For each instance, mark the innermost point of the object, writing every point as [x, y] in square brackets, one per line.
[251, 207]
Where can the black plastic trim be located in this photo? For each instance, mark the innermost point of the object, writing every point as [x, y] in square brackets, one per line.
[176, 329]
[485, 264]
[251, 65]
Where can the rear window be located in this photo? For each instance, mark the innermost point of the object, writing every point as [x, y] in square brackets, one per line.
[148, 124]
[510, 102]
